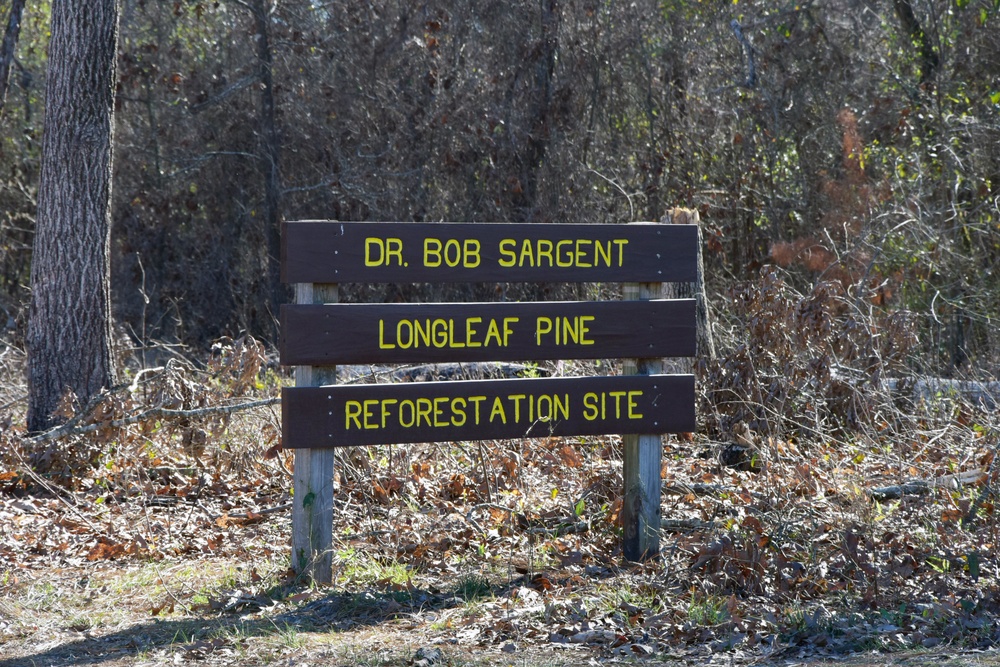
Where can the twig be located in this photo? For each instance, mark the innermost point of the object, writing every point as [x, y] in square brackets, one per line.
[225, 93]
[710, 490]
[475, 524]
[11, 404]
[251, 514]
[918, 487]
[751, 79]
[988, 490]
[687, 524]
[897, 491]
[58, 493]
[563, 529]
[145, 371]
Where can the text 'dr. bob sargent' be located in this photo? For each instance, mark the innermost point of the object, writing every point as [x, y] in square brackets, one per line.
[450, 252]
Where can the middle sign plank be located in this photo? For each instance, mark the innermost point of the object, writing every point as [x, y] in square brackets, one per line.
[325, 335]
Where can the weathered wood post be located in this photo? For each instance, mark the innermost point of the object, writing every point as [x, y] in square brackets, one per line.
[312, 508]
[641, 459]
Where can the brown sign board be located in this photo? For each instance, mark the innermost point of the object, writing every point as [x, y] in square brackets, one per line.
[408, 252]
[326, 335]
[345, 415]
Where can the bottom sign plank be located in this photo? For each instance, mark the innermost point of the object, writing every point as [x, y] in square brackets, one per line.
[340, 416]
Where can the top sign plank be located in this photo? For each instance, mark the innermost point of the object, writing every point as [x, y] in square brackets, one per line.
[336, 252]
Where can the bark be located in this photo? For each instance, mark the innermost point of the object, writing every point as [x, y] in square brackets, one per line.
[270, 162]
[929, 59]
[540, 121]
[7, 48]
[69, 327]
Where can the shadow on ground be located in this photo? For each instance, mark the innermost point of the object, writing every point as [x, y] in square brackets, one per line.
[198, 637]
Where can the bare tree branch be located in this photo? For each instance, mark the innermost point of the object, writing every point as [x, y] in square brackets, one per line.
[226, 92]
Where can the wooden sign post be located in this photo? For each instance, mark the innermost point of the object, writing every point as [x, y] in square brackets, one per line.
[641, 458]
[312, 495]
[318, 333]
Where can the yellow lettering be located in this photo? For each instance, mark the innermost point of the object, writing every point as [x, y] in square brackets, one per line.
[382, 345]
[421, 333]
[439, 412]
[545, 415]
[470, 332]
[581, 257]
[374, 243]
[545, 250]
[379, 252]
[403, 421]
[470, 252]
[451, 335]
[352, 410]
[617, 395]
[621, 243]
[407, 342]
[368, 414]
[527, 251]
[498, 410]
[440, 328]
[517, 398]
[565, 330]
[476, 400]
[424, 408]
[505, 252]
[560, 261]
[493, 331]
[584, 329]
[600, 250]
[564, 253]
[452, 253]
[507, 331]
[458, 411]
[386, 402]
[561, 406]
[570, 330]
[590, 406]
[632, 404]
[543, 325]
[394, 248]
[432, 252]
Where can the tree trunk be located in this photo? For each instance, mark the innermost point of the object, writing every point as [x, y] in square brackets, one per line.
[69, 327]
[7, 48]
[540, 116]
[929, 59]
[270, 162]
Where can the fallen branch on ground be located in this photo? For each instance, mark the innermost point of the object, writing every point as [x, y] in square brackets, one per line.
[152, 413]
[919, 487]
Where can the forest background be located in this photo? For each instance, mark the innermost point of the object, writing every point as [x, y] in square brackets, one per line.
[858, 144]
[844, 157]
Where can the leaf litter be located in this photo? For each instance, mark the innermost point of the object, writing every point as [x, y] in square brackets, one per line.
[168, 540]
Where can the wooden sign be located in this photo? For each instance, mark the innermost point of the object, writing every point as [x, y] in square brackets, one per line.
[324, 335]
[337, 252]
[345, 415]
[318, 334]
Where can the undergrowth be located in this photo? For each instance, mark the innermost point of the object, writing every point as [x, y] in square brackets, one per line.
[822, 506]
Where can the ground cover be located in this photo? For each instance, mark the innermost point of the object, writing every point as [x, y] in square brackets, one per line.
[165, 539]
